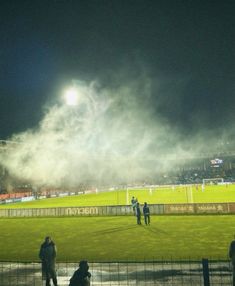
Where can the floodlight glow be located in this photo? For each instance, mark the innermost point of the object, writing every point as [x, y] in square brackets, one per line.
[71, 96]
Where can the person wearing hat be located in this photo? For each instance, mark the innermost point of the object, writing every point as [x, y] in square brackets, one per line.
[47, 254]
[81, 276]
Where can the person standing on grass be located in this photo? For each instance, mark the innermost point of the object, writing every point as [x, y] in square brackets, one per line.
[81, 276]
[47, 254]
[138, 213]
[146, 213]
[231, 255]
[133, 204]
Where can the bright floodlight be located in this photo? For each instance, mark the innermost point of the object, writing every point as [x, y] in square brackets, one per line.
[71, 96]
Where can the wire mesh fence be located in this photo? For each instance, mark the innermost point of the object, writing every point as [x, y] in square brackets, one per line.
[123, 273]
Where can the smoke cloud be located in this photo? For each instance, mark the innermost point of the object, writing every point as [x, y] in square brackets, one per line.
[113, 135]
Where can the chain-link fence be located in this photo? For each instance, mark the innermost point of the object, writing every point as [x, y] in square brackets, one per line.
[124, 273]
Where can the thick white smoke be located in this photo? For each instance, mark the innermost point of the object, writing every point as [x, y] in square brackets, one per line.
[108, 137]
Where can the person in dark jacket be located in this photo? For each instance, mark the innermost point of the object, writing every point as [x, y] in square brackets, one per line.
[81, 276]
[231, 254]
[47, 254]
[146, 213]
[138, 213]
[133, 204]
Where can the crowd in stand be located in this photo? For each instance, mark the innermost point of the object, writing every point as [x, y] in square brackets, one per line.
[191, 176]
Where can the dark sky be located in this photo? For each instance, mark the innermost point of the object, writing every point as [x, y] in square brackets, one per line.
[186, 48]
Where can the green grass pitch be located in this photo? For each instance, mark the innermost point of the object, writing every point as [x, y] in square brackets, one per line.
[120, 238]
[179, 194]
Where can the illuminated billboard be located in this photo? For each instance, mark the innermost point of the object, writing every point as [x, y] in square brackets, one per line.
[215, 163]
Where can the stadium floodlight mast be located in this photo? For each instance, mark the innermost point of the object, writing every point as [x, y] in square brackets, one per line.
[71, 96]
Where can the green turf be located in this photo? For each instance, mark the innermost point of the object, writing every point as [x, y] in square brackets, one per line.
[118, 238]
[181, 194]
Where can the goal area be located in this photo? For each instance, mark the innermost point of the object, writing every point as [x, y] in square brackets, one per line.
[213, 181]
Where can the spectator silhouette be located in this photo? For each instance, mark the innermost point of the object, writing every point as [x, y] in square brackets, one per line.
[232, 257]
[146, 213]
[81, 276]
[47, 254]
[138, 213]
[133, 204]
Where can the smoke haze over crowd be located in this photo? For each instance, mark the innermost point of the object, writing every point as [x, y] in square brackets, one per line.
[107, 137]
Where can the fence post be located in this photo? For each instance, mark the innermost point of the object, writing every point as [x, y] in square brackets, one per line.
[205, 268]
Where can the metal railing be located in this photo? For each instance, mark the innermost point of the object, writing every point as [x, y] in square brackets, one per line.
[165, 273]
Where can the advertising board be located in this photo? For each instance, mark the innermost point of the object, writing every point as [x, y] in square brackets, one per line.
[157, 209]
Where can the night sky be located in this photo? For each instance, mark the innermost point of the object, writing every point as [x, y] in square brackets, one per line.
[185, 48]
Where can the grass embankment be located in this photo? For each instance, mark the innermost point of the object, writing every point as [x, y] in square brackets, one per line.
[118, 238]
